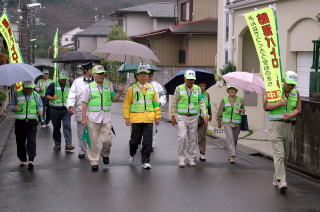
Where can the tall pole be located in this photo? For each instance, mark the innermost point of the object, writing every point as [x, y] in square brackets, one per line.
[24, 38]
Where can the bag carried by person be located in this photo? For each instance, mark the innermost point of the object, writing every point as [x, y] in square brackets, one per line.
[85, 136]
[244, 123]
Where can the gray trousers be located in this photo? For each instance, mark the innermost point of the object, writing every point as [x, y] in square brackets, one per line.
[232, 134]
[82, 144]
[202, 138]
[187, 137]
[59, 115]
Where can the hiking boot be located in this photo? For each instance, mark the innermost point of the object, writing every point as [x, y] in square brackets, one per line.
[81, 155]
[105, 160]
[181, 164]
[57, 148]
[282, 185]
[69, 148]
[95, 168]
[192, 163]
[202, 157]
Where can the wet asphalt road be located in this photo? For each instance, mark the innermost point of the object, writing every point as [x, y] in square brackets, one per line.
[62, 182]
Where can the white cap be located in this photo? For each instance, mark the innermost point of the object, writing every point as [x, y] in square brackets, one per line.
[232, 86]
[190, 74]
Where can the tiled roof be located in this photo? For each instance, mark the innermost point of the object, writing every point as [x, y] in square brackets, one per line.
[100, 28]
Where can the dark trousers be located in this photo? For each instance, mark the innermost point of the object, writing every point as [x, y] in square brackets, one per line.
[46, 110]
[143, 130]
[26, 133]
[59, 115]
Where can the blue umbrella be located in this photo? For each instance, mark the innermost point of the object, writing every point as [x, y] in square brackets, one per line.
[17, 72]
[178, 79]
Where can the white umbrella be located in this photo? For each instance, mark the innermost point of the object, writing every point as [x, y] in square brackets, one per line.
[17, 72]
[126, 51]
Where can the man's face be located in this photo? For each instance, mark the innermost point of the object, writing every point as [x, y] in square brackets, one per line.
[62, 81]
[288, 87]
[232, 91]
[88, 72]
[189, 82]
[143, 77]
[150, 77]
[202, 86]
[99, 77]
[46, 76]
[28, 91]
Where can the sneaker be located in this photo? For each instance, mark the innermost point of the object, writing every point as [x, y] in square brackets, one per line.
[95, 168]
[181, 164]
[232, 160]
[69, 148]
[30, 165]
[146, 166]
[81, 155]
[23, 164]
[57, 148]
[282, 185]
[105, 160]
[192, 163]
[202, 157]
[275, 181]
[130, 160]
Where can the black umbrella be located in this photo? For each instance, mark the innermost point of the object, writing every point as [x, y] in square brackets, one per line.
[76, 57]
[178, 79]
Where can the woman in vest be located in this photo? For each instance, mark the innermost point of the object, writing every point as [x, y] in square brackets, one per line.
[185, 108]
[282, 116]
[27, 105]
[229, 114]
[202, 126]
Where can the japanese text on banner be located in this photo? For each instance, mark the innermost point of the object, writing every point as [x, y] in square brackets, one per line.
[262, 25]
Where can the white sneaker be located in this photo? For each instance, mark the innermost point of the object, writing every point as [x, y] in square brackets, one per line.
[181, 164]
[23, 164]
[282, 185]
[275, 182]
[146, 166]
[202, 157]
[192, 163]
[130, 160]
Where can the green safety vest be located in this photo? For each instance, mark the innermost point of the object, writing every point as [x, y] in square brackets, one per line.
[142, 103]
[277, 113]
[188, 104]
[44, 85]
[62, 95]
[28, 108]
[230, 113]
[99, 101]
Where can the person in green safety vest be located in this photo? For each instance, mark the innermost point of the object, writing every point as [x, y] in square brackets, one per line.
[185, 108]
[41, 88]
[96, 101]
[282, 116]
[27, 105]
[229, 113]
[202, 126]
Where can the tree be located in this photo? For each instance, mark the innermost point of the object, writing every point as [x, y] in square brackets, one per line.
[117, 33]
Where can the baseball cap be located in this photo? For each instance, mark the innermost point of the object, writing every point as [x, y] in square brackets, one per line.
[189, 74]
[143, 69]
[232, 86]
[98, 69]
[291, 77]
[63, 75]
[28, 84]
[45, 71]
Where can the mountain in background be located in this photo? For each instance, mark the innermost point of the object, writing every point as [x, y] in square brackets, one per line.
[69, 14]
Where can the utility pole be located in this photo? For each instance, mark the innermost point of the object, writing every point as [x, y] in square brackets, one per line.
[24, 38]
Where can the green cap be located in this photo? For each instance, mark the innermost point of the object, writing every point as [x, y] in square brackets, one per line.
[63, 75]
[29, 84]
[98, 69]
[143, 69]
[190, 75]
[291, 77]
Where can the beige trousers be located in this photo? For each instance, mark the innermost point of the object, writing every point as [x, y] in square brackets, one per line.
[281, 134]
[202, 138]
[187, 137]
[232, 134]
[102, 132]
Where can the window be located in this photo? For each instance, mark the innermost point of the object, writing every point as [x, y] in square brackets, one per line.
[226, 56]
[66, 39]
[227, 27]
[182, 56]
[185, 11]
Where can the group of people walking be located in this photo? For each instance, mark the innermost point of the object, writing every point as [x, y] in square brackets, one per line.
[90, 98]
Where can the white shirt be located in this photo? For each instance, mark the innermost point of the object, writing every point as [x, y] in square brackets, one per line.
[161, 94]
[96, 117]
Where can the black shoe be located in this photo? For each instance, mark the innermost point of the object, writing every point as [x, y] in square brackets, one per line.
[30, 165]
[94, 168]
[57, 148]
[106, 160]
[81, 155]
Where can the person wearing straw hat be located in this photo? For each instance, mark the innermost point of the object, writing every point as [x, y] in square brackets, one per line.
[282, 116]
[27, 105]
[41, 88]
[74, 102]
[57, 94]
[140, 110]
[97, 100]
[229, 113]
[185, 108]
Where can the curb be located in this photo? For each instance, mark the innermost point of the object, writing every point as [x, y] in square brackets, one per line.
[6, 127]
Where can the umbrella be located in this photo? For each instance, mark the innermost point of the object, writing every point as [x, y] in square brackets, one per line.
[178, 79]
[126, 51]
[41, 65]
[245, 80]
[76, 57]
[133, 67]
[17, 72]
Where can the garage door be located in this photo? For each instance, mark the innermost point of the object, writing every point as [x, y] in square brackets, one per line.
[304, 63]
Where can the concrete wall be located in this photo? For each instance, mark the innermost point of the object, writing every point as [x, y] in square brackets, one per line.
[164, 23]
[137, 23]
[101, 40]
[88, 44]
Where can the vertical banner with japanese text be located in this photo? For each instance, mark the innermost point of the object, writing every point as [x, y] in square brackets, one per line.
[7, 32]
[55, 54]
[263, 27]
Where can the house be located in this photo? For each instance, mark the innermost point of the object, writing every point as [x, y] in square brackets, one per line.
[297, 29]
[146, 18]
[90, 38]
[192, 42]
[67, 39]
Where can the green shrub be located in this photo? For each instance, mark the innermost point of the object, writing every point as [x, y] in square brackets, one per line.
[3, 98]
